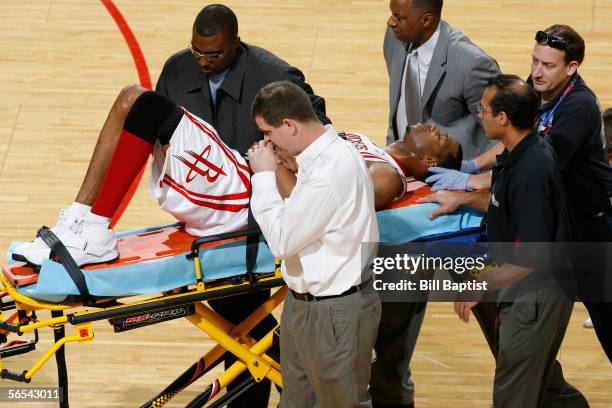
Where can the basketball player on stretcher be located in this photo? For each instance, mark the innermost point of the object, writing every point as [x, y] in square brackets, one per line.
[199, 179]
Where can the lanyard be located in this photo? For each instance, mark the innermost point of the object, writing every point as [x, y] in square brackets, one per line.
[546, 118]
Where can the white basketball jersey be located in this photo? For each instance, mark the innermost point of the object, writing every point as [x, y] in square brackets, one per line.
[200, 180]
[371, 152]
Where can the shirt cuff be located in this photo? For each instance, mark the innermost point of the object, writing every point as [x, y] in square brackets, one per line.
[264, 179]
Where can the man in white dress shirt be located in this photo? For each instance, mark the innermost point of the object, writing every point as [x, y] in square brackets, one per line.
[331, 313]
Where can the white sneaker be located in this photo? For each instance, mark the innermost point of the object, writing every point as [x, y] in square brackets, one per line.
[24, 251]
[88, 239]
[588, 323]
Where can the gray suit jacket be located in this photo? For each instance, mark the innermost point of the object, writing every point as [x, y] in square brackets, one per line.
[455, 82]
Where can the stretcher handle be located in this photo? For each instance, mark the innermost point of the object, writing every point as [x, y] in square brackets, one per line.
[196, 244]
[17, 349]
[9, 375]
[9, 327]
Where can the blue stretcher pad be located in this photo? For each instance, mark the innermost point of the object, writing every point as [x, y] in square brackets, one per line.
[398, 225]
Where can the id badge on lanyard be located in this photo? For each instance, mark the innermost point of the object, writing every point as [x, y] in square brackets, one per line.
[545, 120]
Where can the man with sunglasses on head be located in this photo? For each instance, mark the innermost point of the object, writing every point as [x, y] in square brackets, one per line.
[570, 120]
[216, 78]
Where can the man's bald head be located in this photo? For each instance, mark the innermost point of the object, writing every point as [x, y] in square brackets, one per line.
[516, 98]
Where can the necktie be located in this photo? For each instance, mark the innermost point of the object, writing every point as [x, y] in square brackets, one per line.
[412, 90]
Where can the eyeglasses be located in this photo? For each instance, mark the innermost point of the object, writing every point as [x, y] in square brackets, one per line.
[551, 40]
[209, 56]
[482, 110]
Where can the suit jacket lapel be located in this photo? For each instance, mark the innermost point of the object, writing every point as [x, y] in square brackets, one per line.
[437, 67]
[397, 70]
[232, 84]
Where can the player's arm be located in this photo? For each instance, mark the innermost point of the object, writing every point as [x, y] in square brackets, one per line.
[285, 173]
[387, 184]
[285, 181]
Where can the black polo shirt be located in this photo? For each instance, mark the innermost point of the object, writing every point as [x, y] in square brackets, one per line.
[528, 201]
[577, 137]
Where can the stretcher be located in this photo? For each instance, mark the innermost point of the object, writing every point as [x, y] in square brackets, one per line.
[177, 273]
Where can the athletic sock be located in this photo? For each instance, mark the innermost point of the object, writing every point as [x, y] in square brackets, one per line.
[81, 209]
[129, 157]
[92, 218]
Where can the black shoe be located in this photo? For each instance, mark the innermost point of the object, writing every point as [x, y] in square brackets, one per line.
[570, 398]
[379, 405]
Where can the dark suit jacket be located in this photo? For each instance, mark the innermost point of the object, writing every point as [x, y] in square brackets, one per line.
[455, 82]
[183, 81]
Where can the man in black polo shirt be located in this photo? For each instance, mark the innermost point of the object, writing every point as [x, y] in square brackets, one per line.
[532, 315]
[569, 118]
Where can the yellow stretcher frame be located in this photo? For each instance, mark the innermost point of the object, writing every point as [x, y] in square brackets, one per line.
[251, 355]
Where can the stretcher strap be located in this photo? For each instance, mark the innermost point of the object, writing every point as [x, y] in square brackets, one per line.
[252, 244]
[87, 247]
[67, 261]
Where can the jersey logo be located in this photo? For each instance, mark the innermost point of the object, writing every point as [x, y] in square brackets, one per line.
[357, 142]
[210, 171]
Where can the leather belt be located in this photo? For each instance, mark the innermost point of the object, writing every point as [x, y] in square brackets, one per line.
[309, 298]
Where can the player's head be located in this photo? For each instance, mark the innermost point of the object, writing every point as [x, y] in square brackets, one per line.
[281, 109]
[214, 38]
[507, 103]
[424, 146]
[556, 56]
[410, 20]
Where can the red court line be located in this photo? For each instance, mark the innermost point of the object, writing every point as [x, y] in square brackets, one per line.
[145, 81]
[132, 43]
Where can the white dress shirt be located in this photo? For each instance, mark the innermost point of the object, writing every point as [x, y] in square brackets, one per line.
[319, 230]
[424, 55]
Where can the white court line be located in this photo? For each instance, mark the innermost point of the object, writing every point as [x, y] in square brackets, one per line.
[433, 361]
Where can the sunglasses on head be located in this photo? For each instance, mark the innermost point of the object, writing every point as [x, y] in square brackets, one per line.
[551, 40]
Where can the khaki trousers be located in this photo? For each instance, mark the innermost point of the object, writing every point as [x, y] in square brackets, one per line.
[326, 350]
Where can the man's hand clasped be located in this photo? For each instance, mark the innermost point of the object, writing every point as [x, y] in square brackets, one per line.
[262, 157]
[286, 160]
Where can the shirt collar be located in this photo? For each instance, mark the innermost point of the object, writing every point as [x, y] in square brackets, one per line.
[506, 159]
[426, 50]
[216, 79]
[232, 84]
[553, 101]
[308, 155]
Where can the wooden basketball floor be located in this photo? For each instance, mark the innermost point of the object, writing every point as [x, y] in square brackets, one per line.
[62, 63]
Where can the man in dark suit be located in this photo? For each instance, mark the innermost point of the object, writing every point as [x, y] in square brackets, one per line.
[436, 75]
[217, 78]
